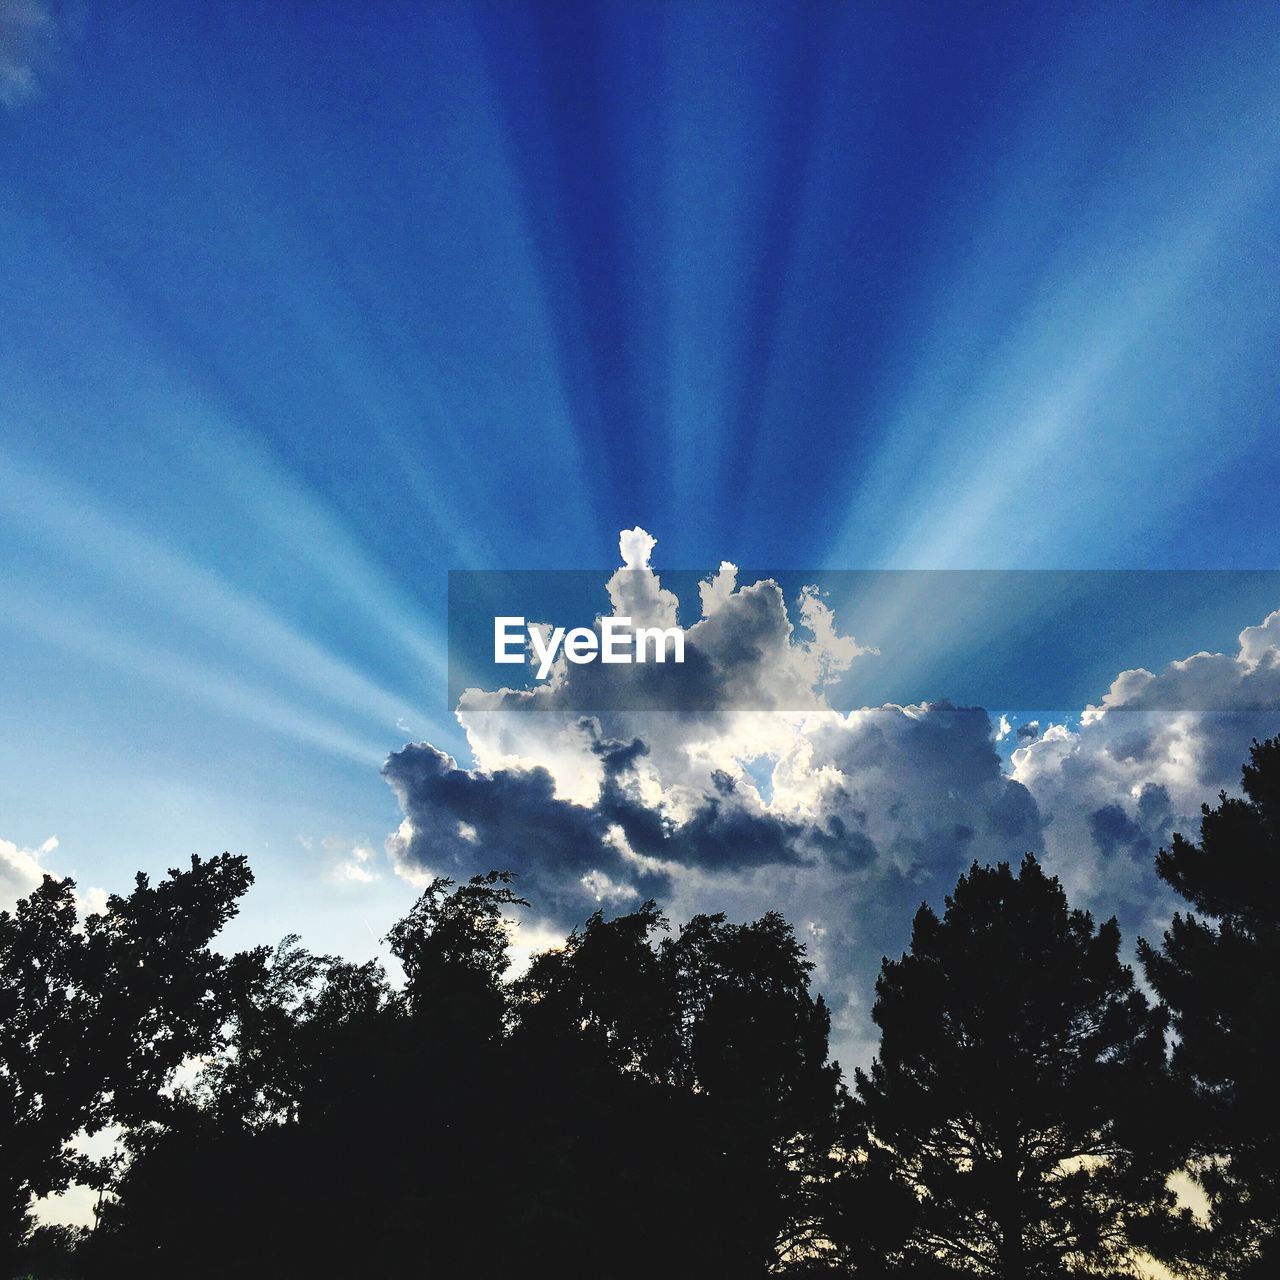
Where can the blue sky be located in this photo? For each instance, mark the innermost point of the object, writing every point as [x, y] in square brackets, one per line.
[305, 305]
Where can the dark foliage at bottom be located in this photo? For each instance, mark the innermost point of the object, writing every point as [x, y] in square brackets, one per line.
[645, 1102]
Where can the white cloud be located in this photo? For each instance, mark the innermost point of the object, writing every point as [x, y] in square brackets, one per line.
[832, 653]
[400, 846]
[347, 862]
[746, 790]
[603, 890]
[1260, 645]
[1142, 761]
[742, 789]
[635, 590]
[21, 870]
[715, 590]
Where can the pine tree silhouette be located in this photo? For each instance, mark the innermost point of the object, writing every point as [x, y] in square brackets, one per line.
[1014, 1044]
[1219, 973]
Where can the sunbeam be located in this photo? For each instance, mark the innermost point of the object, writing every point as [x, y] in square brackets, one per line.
[171, 584]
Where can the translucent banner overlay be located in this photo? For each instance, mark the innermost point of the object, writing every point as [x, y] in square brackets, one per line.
[796, 640]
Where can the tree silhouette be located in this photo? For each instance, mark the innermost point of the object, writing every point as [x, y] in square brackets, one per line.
[96, 1016]
[1014, 1050]
[644, 1100]
[1220, 977]
[453, 948]
[756, 1046]
[52, 1252]
[717, 1029]
[345, 1121]
[629, 1104]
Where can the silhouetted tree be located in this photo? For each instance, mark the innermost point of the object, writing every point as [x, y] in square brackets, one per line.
[637, 1102]
[453, 948]
[755, 1044]
[270, 1163]
[1014, 1048]
[52, 1252]
[715, 1034]
[607, 1147]
[609, 993]
[630, 1104]
[352, 1128]
[1219, 973]
[95, 1017]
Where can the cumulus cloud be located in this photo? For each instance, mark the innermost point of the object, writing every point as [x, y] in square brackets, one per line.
[1142, 761]
[732, 784]
[512, 819]
[634, 590]
[664, 782]
[744, 658]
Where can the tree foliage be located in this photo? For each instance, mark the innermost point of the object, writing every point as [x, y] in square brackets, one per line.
[1015, 1059]
[1219, 973]
[95, 1017]
[642, 1100]
[669, 1090]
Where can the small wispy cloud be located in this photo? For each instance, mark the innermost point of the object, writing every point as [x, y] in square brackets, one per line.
[30, 33]
[345, 861]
